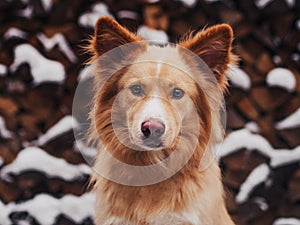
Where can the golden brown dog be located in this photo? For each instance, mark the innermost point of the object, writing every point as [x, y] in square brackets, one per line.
[160, 103]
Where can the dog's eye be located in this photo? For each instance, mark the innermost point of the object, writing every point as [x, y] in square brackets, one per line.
[177, 93]
[136, 89]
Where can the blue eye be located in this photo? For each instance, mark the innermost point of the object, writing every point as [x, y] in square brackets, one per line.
[177, 93]
[136, 89]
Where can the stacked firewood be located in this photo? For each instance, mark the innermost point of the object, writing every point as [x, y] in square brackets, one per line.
[36, 100]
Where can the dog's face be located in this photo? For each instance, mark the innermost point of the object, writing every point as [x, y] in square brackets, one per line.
[156, 100]
[150, 104]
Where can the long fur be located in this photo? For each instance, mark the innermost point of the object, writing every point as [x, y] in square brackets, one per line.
[191, 196]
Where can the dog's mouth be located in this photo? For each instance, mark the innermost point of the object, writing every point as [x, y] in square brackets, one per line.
[153, 143]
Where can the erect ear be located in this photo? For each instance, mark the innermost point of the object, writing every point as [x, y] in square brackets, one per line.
[110, 34]
[213, 45]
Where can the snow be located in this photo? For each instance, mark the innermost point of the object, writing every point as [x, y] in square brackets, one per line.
[189, 3]
[287, 221]
[27, 12]
[33, 158]
[4, 132]
[3, 70]
[298, 24]
[42, 69]
[47, 4]
[127, 14]
[211, 1]
[281, 77]
[252, 126]
[89, 19]
[4, 213]
[284, 157]
[257, 176]
[64, 125]
[147, 33]
[86, 151]
[262, 3]
[290, 122]
[77, 208]
[239, 78]
[290, 3]
[84, 73]
[14, 32]
[278, 157]
[1, 163]
[61, 42]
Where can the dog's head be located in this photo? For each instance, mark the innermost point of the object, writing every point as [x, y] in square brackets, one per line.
[158, 97]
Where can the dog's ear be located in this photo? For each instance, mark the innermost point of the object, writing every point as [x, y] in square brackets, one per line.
[213, 45]
[110, 34]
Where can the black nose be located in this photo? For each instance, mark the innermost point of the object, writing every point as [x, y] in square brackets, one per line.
[153, 128]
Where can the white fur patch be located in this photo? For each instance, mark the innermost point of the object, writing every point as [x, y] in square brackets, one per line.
[192, 217]
[153, 108]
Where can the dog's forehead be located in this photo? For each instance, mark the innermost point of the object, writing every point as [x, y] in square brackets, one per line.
[165, 63]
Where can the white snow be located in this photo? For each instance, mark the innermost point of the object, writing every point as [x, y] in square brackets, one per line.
[3, 70]
[65, 124]
[45, 208]
[239, 78]
[89, 19]
[1, 163]
[262, 3]
[127, 14]
[283, 157]
[33, 158]
[189, 3]
[86, 151]
[4, 132]
[27, 12]
[252, 126]
[281, 77]
[290, 3]
[59, 40]
[298, 25]
[211, 1]
[4, 213]
[243, 138]
[47, 4]
[287, 221]
[290, 122]
[84, 73]
[14, 32]
[257, 176]
[147, 33]
[42, 69]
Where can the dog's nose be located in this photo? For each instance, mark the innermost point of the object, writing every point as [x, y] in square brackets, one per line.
[153, 128]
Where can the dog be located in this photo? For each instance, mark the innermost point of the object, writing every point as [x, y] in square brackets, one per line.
[153, 100]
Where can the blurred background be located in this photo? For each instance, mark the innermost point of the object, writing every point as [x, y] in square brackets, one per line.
[43, 176]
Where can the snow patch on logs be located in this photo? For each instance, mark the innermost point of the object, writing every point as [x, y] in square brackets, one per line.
[290, 122]
[287, 221]
[3, 70]
[4, 132]
[64, 125]
[278, 157]
[33, 158]
[14, 32]
[257, 176]
[147, 33]
[77, 208]
[61, 42]
[42, 69]
[281, 77]
[89, 19]
[239, 78]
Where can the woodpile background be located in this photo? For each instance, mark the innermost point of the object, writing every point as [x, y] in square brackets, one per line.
[266, 37]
